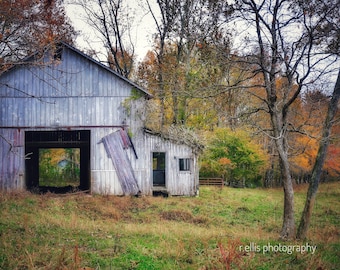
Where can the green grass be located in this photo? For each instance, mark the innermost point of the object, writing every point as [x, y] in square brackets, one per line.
[206, 232]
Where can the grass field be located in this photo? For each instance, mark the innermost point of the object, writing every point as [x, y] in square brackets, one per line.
[221, 229]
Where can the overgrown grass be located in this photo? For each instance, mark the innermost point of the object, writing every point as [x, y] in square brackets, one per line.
[206, 232]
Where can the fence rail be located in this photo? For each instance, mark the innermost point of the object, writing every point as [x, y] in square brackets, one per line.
[211, 181]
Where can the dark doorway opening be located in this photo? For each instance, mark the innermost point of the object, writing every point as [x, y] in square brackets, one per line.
[158, 163]
[57, 161]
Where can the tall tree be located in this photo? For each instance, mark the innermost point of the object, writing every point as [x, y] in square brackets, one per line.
[27, 26]
[295, 57]
[182, 27]
[168, 10]
[112, 20]
[321, 156]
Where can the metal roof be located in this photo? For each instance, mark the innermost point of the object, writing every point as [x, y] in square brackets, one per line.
[72, 48]
[107, 68]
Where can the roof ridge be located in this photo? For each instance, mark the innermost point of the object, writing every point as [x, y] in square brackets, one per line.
[107, 68]
[78, 51]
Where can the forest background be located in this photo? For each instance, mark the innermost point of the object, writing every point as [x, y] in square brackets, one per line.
[201, 66]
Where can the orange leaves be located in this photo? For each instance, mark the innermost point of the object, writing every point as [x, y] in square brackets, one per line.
[332, 163]
[27, 26]
[305, 151]
[224, 161]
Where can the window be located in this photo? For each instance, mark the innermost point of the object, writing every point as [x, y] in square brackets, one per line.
[158, 161]
[184, 164]
[58, 53]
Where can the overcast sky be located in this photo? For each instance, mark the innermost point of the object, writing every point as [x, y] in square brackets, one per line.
[141, 32]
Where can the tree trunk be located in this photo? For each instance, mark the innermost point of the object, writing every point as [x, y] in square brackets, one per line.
[278, 122]
[288, 224]
[320, 159]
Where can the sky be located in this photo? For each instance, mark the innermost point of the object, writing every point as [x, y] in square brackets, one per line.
[141, 32]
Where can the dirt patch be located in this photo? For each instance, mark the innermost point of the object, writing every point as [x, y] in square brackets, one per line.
[177, 215]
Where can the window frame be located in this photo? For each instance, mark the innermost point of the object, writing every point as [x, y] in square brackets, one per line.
[184, 164]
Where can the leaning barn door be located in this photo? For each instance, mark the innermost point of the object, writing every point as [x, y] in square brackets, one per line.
[115, 143]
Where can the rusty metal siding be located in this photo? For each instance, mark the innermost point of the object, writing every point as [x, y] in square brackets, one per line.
[11, 159]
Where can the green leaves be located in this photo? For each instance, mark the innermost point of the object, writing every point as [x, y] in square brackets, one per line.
[233, 155]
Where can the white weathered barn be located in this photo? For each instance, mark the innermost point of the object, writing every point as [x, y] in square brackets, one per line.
[65, 99]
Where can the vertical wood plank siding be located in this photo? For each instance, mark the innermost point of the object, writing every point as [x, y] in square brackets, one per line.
[177, 182]
[11, 159]
[74, 92]
[115, 147]
[77, 91]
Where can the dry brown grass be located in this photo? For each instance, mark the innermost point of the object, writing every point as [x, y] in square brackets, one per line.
[69, 232]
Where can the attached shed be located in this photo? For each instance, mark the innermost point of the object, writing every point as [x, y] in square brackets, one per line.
[65, 99]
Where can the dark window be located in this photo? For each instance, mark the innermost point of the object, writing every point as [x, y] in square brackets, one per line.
[58, 53]
[158, 161]
[184, 164]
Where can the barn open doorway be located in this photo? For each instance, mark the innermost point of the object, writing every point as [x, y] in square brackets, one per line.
[58, 161]
[59, 167]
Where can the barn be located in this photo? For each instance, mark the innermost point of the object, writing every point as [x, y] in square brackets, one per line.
[62, 100]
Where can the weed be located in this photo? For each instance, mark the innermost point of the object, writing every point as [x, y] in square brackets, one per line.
[102, 232]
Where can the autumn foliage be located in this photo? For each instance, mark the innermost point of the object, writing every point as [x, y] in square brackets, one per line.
[28, 25]
[235, 157]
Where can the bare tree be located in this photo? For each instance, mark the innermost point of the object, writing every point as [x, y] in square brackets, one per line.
[278, 54]
[168, 14]
[317, 169]
[112, 20]
[329, 33]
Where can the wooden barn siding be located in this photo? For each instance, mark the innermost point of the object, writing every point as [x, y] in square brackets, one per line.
[85, 95]
[115, 146]
[12, 160]
[76, 92]
[75, 111]
[177, 183]
[104, 178]
[74, 76]
[68, 111]
[103, 174]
